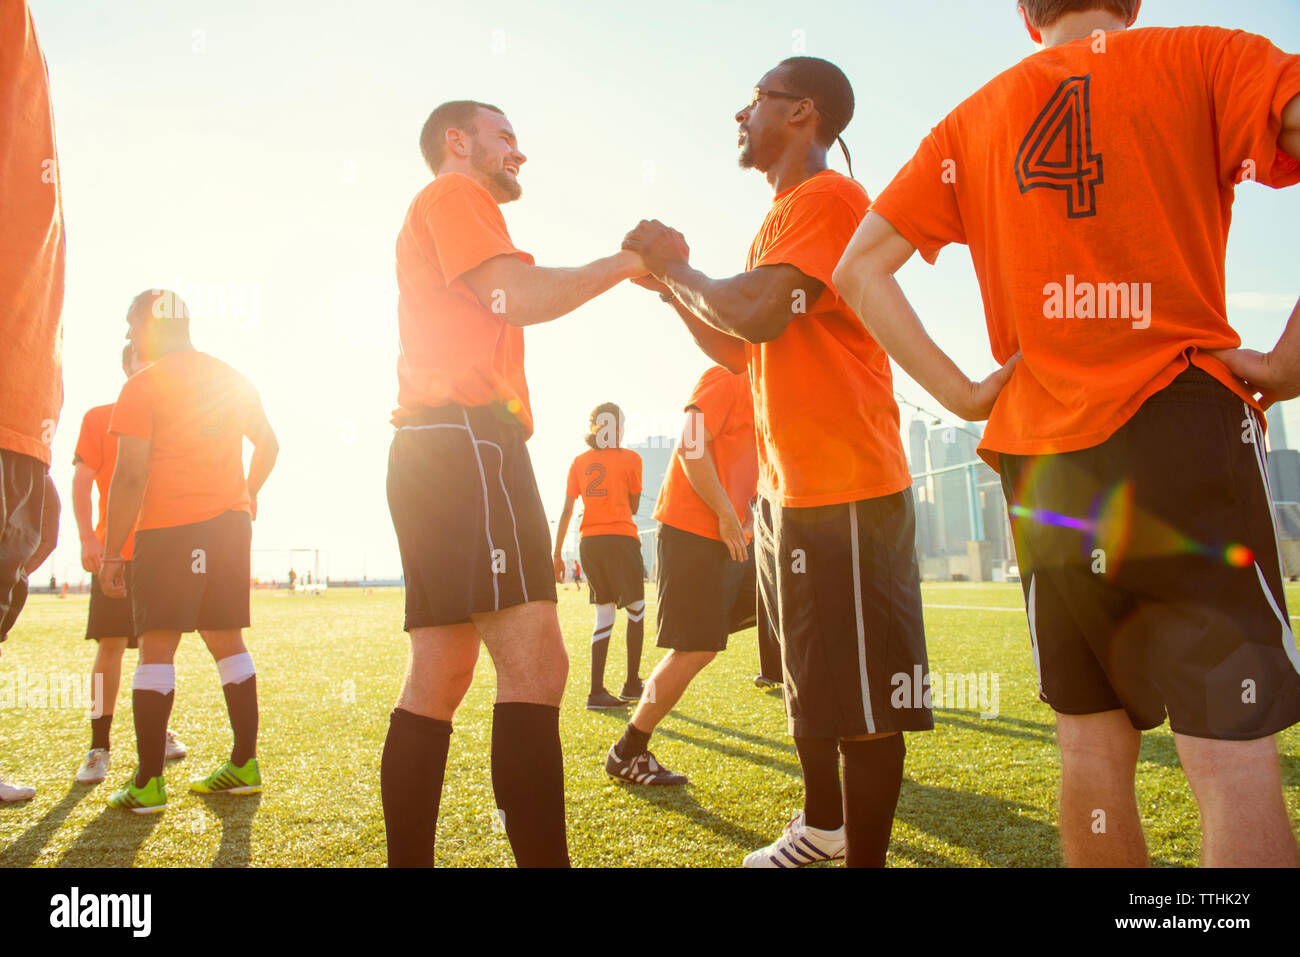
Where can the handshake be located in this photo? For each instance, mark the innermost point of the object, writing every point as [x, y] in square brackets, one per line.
[654, 250]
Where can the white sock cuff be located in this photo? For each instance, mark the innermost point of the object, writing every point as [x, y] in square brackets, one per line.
[159, 678]
[236, 668]
[636, 610]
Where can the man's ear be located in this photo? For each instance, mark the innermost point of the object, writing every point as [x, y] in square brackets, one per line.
[1034, 33]
[457, 143]
[1137, 8]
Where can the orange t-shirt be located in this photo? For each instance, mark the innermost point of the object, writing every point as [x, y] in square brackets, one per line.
[824, 410]
[195, 410]
[725, 402]
[97, 449]
[1095, 192]
[455, 349]
[31, 243]
[605, 480]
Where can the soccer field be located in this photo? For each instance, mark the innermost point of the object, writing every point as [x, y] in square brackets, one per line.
[979, 791]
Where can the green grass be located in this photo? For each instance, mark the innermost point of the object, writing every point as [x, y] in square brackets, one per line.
[979, 792]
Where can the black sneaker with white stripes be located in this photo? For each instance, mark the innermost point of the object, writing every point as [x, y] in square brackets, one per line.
[642, 769]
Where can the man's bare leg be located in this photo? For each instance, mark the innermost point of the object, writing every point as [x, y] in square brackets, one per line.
[1238, 787]
[532, 667]
[1099, 819]
[666, 685]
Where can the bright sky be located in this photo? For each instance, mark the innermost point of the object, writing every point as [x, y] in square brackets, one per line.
[259, 159]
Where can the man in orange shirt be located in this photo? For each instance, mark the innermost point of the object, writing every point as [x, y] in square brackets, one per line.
[704, 563]
[834, 531]
[179, 483]
[31, 301]
[1093, 182]
[607, 477]
[108, 622]
[473, 535]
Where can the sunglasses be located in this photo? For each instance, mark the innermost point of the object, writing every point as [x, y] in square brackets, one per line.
[759, 93]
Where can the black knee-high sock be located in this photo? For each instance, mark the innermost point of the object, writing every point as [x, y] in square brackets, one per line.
[528, 781]
[151, 710]
[823, 807]
[599, 650]
[635, 639]
[241, 702]
[410, 785]
[873, 775]
[99, 731]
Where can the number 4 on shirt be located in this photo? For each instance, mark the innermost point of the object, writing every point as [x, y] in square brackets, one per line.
[1072, 165]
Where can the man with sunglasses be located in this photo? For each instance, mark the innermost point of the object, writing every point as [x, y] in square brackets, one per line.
[834, 527]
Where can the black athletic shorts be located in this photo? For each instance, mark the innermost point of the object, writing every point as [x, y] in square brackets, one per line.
[1151, 572]
[111, 617]
[470, 524]
[192, 577]
[842, 587]
[612, 564]
[22, 498]
[704, 594]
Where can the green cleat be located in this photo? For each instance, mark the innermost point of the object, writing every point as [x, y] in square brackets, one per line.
[229, 779]
[149, 799]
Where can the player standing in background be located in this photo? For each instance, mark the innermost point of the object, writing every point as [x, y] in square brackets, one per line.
[704, 562]
[607, 477]
[179, 482]
[834, 532]
[1093, 182]
[108, 621]
[470, 526]
[31, 302]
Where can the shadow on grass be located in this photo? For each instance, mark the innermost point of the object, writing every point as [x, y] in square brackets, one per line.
[28, 845]
[236, 812]
[681, 802]
[785, 767]
[112, 839]
[783, 743]
[1000, 832]
[1007, 727]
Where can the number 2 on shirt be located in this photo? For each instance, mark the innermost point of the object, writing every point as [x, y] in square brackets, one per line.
[593, 487]
[1067, 115]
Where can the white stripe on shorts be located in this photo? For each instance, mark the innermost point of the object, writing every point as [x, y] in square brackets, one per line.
[857, 609]
[487, 524]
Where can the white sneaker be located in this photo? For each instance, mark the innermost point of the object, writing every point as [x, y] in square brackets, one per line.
[15, 792]
[95, 768]
[799, 845]
[175, 749]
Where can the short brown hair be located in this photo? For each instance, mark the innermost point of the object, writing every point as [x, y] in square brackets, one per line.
[1043, 13]
[454, 115]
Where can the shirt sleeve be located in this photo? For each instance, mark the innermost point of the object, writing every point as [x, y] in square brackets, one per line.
[1251, 82]
[90, 445]
[467, 229]
[713, 398]
[634, 473]
[133, 412]
[572, 489]
[921, 200]
[812, 236]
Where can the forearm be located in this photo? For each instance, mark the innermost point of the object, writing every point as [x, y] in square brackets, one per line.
[260, 466]
[1289, 140]
[726, 350]
[879, 301]
[81, 506]
[735, 306]
[703, 476]
[546, 293]
[561, 530]
[124, 497]
[1286, 354]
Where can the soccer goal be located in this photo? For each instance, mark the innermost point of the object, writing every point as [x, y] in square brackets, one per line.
[303, 570]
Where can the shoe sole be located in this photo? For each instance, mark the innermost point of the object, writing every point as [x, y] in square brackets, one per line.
[650, 784]
[248, 789]
[606, 707]
[175, 757]
[141, 810]
[626, 700]
[91, 781]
